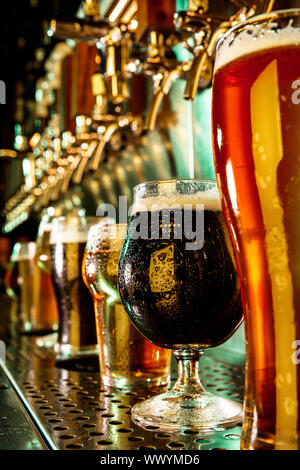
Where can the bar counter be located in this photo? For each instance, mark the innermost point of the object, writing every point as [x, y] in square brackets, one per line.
[46, 407]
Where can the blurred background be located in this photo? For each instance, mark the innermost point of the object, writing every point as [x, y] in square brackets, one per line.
[101, 96]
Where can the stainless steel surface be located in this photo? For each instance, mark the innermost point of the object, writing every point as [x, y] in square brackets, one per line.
[72, 410]
[16, 430]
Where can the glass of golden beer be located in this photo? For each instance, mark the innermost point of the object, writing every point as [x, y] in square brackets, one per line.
[43, 254]
[77, 342]
[256, 118]
[127, 359]
[178, 283]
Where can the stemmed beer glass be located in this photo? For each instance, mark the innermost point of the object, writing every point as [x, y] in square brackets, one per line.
[179, 286]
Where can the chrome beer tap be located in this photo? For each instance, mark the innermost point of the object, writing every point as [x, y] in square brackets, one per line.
[205, 16]
[161, 64]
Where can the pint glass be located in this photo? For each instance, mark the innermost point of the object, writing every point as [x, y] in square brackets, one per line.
[256, 118]
[127, 359]
[37, 309]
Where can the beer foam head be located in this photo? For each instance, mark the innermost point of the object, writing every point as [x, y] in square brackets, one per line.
[67, 236]
[210, 199]
[71, 229]
[254, 38]
[23, 251]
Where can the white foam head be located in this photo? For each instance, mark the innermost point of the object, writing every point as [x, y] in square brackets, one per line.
[210, 200]
[67, 236]
[70, 229]
[254, 38]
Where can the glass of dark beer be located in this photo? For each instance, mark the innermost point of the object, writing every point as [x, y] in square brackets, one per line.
[179, 285]
[256, 118]
[77, 341]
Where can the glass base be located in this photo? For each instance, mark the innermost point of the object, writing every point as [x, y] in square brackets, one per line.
[31, 329]
[172, 411]
[47, 342]
[132, 381]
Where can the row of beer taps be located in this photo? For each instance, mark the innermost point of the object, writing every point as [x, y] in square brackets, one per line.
[53, 160]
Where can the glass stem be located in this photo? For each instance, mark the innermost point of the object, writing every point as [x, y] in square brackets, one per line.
[188, 381]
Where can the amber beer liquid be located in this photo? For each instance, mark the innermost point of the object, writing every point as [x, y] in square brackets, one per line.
[256, 129]
[34, 290]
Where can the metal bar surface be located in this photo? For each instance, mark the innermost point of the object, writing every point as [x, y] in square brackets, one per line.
[72, 410]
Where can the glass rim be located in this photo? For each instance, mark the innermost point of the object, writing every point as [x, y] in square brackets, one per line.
[256, 19]
[102, 232]
[172, 181]
[102, 224]
[75, 216]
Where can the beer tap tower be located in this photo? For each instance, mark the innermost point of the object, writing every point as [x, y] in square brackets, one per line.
[60, 162]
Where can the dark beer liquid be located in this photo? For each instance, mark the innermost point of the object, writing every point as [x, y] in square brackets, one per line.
[256, 122]
[176, 296]
[76, 309]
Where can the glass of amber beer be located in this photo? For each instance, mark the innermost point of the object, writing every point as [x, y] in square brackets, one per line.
[256, 118]
[77, 342]
[179, 286]
[127, 359]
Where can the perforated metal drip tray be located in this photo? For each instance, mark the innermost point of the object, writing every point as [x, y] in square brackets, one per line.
[72, 410]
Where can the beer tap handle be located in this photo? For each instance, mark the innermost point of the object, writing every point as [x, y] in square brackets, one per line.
[198, 18]
[74, 162]
[258, 7]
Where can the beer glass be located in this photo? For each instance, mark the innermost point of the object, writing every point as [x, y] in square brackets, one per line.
[256, 118]
[43, 255]
[179, 286]
[77, 342]
[127, 359]
[12, 286]
[37, 310]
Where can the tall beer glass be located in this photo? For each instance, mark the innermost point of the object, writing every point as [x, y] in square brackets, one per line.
[77, 342]
[127, 359]
[256, 119]
[179, 286]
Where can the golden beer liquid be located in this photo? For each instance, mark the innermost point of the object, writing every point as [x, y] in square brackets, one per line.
[125, 355]
[38, 307]
[256, 129]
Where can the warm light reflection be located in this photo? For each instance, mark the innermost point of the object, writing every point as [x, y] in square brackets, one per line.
[115, 13]
[231, 185]
[130, 12]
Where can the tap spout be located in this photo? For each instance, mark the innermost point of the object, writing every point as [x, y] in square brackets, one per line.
[164, 80]
[103, 139]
